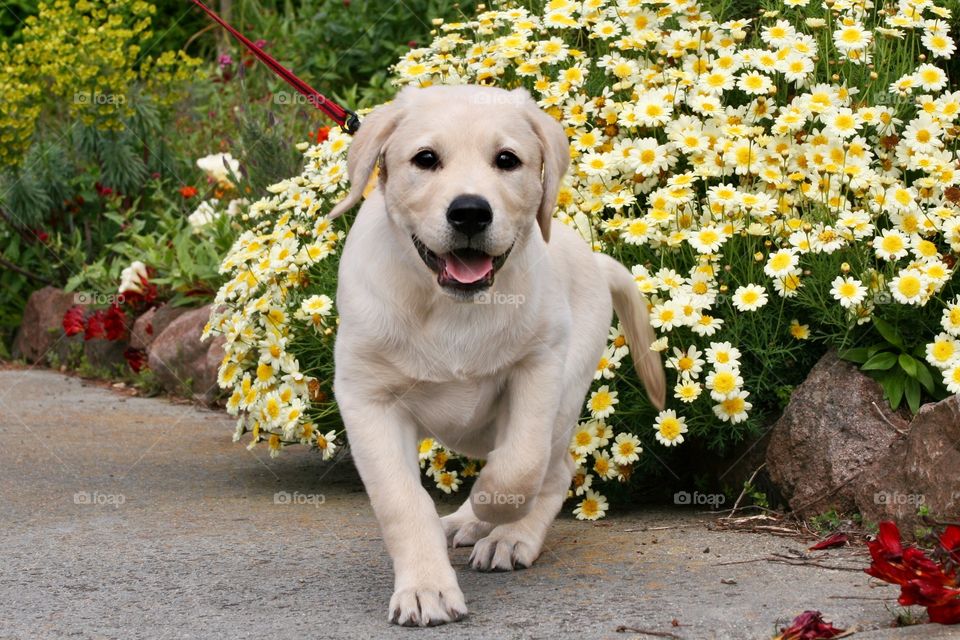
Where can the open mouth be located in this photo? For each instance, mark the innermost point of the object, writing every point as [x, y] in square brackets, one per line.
[462, 269]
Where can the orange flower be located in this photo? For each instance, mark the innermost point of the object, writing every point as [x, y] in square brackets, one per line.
[188, 191]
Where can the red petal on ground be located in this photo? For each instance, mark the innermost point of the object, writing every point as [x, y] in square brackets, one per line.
[950, 541]
[836, 540]
[946, 614]
[889, 539]
[809, 625]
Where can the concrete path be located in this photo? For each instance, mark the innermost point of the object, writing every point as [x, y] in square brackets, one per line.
[125, 517]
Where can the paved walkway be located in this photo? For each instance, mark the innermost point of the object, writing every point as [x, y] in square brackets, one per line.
[126, 517]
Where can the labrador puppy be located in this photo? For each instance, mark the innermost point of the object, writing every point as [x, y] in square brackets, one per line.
[468, 315]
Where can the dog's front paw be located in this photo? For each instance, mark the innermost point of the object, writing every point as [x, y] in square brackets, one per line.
[427, 605]
[508, 547]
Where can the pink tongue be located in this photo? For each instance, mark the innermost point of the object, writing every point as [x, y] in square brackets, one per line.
[467, 269]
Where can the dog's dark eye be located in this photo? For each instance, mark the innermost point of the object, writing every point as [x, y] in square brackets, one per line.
[507, 160]
[426, 159]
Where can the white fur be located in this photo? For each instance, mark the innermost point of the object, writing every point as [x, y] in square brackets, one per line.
[500, 375]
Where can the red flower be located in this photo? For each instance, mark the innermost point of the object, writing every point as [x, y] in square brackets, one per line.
[102, 190]
[950, 541]
[136, 299]
[809, 625]
[322, 134]
[115, 322]
[188, 192]
[922, 581]
[94, 326]
[73, 320]
[945, 614]
[136, 358]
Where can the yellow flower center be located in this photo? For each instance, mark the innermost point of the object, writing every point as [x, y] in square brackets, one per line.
[670, 428]
[724, 382]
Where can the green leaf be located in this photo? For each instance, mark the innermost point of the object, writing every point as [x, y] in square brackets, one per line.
[858, 355]
[880, 362]
[925, 378]
[912, 392]
[888, 332]
[908, 364]
[184, 258]
[893, 387]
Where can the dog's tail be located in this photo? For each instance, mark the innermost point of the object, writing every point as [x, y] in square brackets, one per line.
[631, 309]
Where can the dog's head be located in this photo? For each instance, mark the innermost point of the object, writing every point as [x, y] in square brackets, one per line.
[466, 173]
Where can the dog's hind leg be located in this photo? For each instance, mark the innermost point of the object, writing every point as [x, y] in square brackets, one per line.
[463, 528]
[516, 545]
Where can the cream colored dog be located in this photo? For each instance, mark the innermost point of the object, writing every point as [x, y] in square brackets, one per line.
[468, 315]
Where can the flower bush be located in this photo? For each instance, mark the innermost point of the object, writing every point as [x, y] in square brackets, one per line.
[779, 186]
[83, 60]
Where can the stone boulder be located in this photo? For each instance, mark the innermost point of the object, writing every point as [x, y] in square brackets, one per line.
[105, 357]
[184, 364]
[836, 424]
[41, 330]
[921, 471]
[152, 323]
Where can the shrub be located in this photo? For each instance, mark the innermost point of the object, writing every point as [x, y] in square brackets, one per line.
[779, 186]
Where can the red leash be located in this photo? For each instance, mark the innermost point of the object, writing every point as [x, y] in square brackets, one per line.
[347, 119]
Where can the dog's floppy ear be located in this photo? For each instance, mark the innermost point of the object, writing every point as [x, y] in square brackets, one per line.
[366, 149]
[555, 149]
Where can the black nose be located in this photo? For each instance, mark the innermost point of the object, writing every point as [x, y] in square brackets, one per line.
[469, 214]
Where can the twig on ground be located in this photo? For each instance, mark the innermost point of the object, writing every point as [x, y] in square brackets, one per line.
[743, 491]
[792, 561]
[647, 632]
[642, 529]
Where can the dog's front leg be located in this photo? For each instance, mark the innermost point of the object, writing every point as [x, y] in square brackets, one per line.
[383, 443]
[515, 469]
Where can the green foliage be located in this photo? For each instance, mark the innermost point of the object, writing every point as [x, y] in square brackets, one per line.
[756, 496]
[185, 261]
[897, 363]
[827, 523]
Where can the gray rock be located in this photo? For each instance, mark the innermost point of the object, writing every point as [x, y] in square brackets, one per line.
[143, 333]
[836, 424]
[105, 356]
[41, 330]
[921, 471]
[183, 363]
[152, 323]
